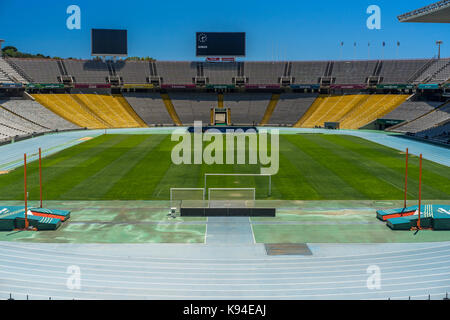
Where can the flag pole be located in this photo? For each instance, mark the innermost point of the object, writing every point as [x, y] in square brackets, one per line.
[406, 177]
[25, 189]
[420, 189]
[40, 175]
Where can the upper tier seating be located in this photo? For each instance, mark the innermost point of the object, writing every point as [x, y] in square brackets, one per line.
[87, 71]
[401, 71]
[264, 72]
[220, 73]
[352, 72]
[133, 71]
[180, 72]
[9, 74]
[308, 72]
[39, 70]
[437, 72]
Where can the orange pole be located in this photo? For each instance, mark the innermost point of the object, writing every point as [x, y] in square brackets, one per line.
[25, 188]
[40, 175]
[406, 177]
[420, 189]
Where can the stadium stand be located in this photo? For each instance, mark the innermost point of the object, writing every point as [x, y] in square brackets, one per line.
[401, 71]
[270, 108]
[437, 72]
[330, 109]
[353, 72]
[440, 133]
[307, 72]
[39, 70]
[68, 108]
[14, 125]
[133, 71]
[180, 72]
[87, 71]
[220, 73]
[191, 106]
[171, 109]
[246, 109]
[429, 120]
[264, 72]
[291, 107]
[112, 109]
[38, 114]
[410, 110]
[150, 108]
[9, 74]
[351, 111]
[375, 107]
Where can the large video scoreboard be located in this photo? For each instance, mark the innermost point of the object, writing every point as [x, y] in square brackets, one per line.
[109, 42]
[220, 44]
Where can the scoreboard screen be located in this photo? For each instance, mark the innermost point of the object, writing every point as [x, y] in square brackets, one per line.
[109, 42]
[222, 44]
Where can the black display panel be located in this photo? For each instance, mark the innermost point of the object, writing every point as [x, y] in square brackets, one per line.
[220, 44]
[109, 42]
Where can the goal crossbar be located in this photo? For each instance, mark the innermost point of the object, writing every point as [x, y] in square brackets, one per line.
[202, 190]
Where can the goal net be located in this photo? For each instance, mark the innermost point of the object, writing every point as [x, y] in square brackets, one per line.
[180, 194]
[231, 194]
[261, 183]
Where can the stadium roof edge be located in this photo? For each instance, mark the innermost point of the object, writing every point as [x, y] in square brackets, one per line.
[438, 12]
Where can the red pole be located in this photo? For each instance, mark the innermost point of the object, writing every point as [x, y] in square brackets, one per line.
[25, 182]
[406, 177]
[420, 189]
[40, 176]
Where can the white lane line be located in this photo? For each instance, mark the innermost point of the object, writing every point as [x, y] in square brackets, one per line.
[33, 249]
[253, 266]
[261, 284]
[96, 293]
[251, 227]
[227, 271]
[302, 262]
[206, 231]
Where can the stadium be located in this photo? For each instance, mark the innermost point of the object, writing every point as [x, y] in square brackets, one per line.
[357, 181]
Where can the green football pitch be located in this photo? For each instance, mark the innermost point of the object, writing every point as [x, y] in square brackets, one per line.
[312, 167]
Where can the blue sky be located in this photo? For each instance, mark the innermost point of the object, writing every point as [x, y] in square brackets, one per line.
[276, 30]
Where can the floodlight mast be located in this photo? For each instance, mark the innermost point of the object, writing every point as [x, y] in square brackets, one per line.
[439, 42]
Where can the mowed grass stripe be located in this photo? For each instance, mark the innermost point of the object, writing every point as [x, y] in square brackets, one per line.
[57, 187]
[327, 184]
[55, 168]
[97, 185]
[347, 168]
[140, 181]
[435, 184]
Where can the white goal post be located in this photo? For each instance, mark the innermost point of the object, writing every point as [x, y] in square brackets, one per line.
[269, 187]
[231, 194]
[177, 194]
